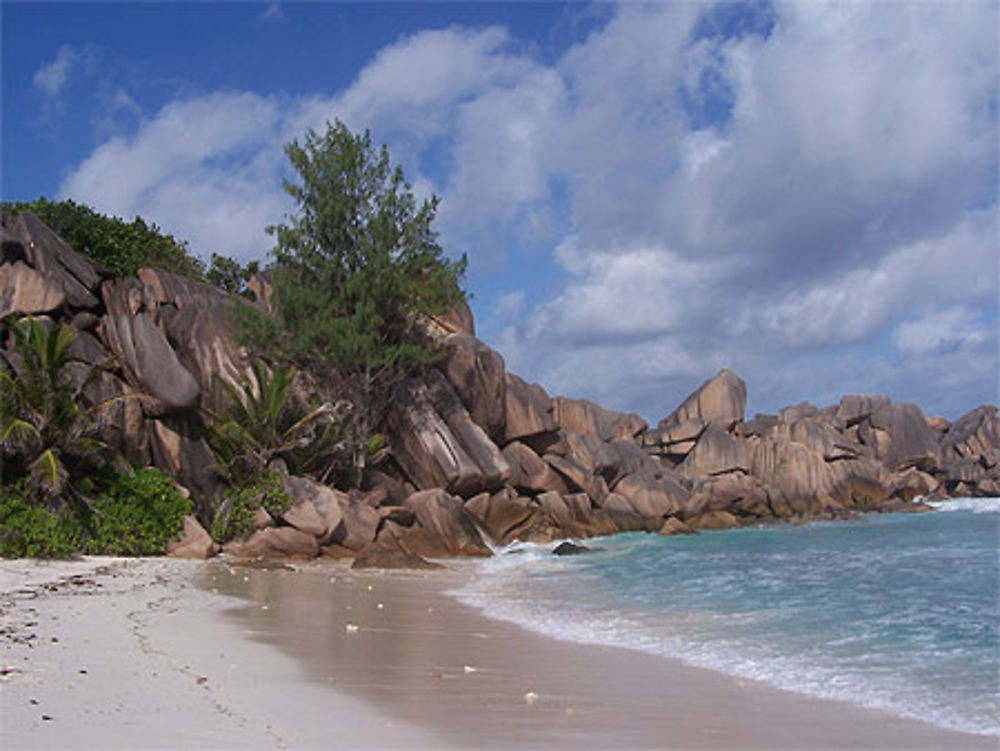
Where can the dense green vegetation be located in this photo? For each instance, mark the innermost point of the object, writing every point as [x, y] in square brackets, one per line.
[135, 513]
[354, 272]
[63, 491]
[120, 247]
[31, 530]
[47, 437]
[234, 510]
[131, 513]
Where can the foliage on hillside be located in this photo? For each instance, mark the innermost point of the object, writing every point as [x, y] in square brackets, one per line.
[120, 247]
[63, 491]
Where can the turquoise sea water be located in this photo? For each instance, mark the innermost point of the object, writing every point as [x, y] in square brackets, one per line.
[899, 612]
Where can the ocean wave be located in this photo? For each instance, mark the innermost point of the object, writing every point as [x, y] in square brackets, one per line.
[975, 505]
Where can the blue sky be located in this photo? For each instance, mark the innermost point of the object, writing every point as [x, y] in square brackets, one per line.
[803, 192]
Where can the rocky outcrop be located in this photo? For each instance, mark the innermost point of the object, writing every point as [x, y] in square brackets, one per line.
[388, 552]
[529, 472]
[24, 291]
[477, 374]
[902, 438]
[193, 542]
[722, 399]
[28, 239]
[655, 493]
[446, 528]
[476, 450]
[528, 410]
[275, 542]
[149, 362]
[716, 452]
[438, 444]
[197, 321]
[586, 418]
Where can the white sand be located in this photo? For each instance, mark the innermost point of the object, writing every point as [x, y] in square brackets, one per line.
[129, 654]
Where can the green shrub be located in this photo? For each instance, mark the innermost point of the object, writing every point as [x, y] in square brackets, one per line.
[29, 530]
[120, 247]
[234, 510]
[135, 514]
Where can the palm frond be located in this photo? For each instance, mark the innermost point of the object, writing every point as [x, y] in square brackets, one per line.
[19, 432]
[49, 473]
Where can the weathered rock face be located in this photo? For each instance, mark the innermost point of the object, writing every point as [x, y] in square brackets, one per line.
[529, 472]
[150, 363]
[438, 444]
[584, 417]
[578, 478]
[24, 291]
[716, 452]
[528, 410]
[193, 542]
[458, 320]
[620, 511]
[197, 321]
[674, 526]
[478, 376]
[721, 399]
[388, 552]
[567, 468]
[734, 492]
[358, 527]
[713, 520]
[122, 422]
[179, 450]
[911, 441]
[492, 467]
[275, 542]
[976, 433]
[502, 514]
[674, 440]
[655, 493]
[317, 508]
[446, 527]
[50, 256]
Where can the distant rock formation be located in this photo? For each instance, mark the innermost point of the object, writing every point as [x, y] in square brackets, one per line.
[478, 454]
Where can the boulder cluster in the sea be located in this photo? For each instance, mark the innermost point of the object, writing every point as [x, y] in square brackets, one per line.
[475, 449]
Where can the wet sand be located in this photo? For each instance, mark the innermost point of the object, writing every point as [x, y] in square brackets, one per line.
[422, 658]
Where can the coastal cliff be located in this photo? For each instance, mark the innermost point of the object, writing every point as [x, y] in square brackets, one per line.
[475, 450]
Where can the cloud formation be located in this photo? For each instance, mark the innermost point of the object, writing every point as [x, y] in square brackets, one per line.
[805, 192]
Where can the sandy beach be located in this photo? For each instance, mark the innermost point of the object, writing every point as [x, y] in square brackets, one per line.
[154, 653]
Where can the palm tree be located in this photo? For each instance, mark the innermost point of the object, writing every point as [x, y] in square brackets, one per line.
[46, 436]
[266, 421]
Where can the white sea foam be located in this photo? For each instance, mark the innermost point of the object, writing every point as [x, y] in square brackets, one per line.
[526, 585]
[975, 505]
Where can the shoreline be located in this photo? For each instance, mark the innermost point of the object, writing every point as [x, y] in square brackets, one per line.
[177, 654]
[426, 658]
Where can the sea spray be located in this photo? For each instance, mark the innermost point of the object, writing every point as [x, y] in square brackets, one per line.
[896, 612]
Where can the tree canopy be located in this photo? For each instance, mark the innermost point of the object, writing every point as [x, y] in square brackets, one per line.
[358, 264]
[354, 271]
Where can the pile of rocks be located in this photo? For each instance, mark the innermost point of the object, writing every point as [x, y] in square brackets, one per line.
[480, 456]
